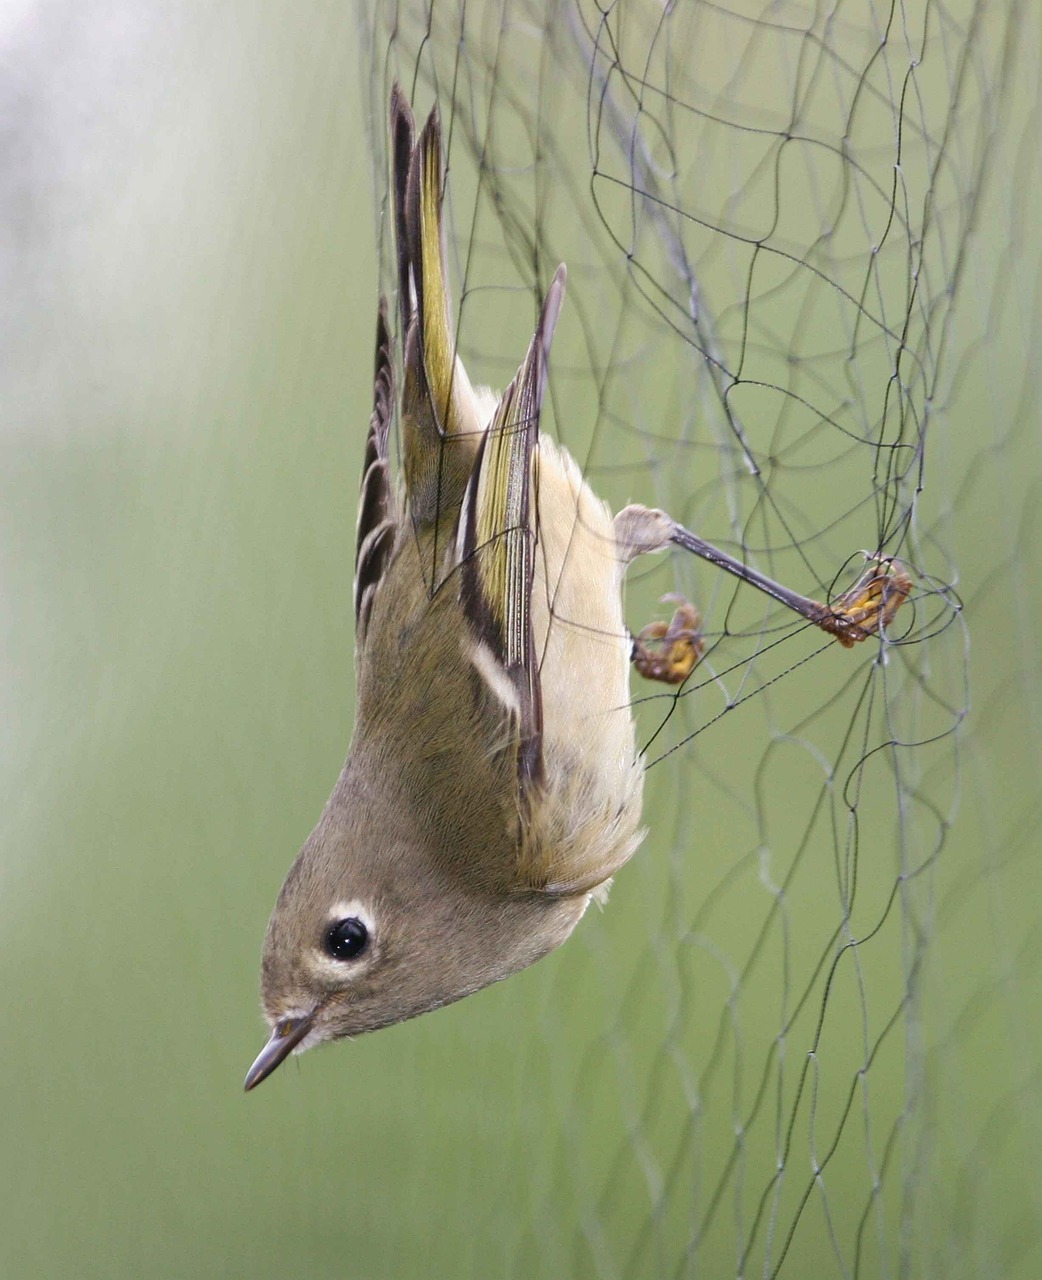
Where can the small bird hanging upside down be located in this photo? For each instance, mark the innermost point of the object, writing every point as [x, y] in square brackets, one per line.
[493, 785]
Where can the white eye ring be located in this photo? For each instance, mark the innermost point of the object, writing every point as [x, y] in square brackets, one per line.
[353, 908]
[343, 965]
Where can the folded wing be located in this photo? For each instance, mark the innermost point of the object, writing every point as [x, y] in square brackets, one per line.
[496, 541]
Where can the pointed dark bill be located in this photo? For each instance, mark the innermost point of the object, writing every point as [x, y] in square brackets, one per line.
[284, 1039]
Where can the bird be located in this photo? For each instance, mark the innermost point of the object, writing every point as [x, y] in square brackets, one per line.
[493, 785]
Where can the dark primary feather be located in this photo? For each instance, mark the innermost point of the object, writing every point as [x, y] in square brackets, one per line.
[403, 131]
[422, 225]
[377, 514]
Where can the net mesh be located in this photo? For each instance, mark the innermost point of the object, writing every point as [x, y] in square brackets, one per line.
[803, 276]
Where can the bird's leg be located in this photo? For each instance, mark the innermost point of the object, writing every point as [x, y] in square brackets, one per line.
[864, 610]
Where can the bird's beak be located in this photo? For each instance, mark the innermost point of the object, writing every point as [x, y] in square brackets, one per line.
[287, 1035]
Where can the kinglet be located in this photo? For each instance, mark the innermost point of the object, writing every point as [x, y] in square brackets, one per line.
[493, 784]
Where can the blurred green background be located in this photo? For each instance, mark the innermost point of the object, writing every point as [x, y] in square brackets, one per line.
[189, 285]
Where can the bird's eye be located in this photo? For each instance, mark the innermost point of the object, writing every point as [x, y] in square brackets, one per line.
[347, 939]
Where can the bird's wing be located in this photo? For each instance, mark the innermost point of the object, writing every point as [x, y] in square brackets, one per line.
[496, 543]
[441, 417]
[378, 513]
